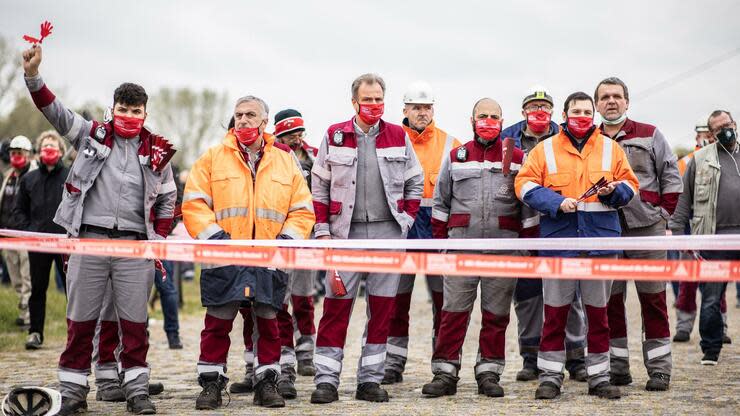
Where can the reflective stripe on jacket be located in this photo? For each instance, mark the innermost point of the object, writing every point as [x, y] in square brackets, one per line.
[555, 170]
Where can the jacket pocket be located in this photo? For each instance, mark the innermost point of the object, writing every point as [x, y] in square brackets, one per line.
[558, 182]
[640, 157]
[341, 169]
[466, 183]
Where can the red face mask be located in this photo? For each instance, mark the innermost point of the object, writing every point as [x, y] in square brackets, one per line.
[538, 121]
[579, 126]
[127, 127]
[488, 128]
[247, 136]
[50, 156]
[371, 113]
[18, 161]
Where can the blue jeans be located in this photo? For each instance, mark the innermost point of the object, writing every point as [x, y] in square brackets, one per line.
[168, 296]
[711, 327]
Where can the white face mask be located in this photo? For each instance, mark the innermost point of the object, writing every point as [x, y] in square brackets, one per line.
[615, 121]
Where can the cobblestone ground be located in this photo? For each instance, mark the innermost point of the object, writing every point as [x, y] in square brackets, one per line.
[694, 389]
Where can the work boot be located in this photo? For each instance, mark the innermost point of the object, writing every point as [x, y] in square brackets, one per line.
[110, 394]
[658, 382]
[33, 342]
[266, 393]
[681, 336]
[246, 386]
[605, 390]
[306, 368]
[141, 405]
[210, 397]
[71, 406]
[579, 373]
[488, 384]
[442, 384]
[324, 393]
[620, 379]
[527, 374]
[392, 377]
[547, 390]
[371, 392]
[173, 339]
[155, 388]
[286, 388]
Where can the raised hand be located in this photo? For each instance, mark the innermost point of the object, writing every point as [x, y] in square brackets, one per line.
[32, 60]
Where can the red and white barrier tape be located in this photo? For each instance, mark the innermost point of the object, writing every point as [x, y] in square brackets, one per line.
[336, 255]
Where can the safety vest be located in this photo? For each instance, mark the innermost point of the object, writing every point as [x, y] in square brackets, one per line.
[706, 188]
[430, 147]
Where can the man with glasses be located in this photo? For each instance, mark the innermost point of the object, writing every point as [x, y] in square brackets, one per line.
[709, 206]
[537, 107]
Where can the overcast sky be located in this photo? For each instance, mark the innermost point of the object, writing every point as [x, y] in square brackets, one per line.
[304, 54]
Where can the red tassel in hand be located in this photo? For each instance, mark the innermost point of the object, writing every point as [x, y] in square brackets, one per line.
[46, 28]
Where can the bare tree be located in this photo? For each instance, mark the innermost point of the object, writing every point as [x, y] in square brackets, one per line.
[192, 120]
[10, 71]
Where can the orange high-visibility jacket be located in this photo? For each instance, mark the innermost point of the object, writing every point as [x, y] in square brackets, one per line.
[555, 170]
[221, 194]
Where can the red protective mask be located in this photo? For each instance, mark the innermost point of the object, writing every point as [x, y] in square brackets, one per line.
[50, 156]
[371, 113]
[248, 135]
[127, 127]
[18, 161]
[579, 126]
[488, 128]
[538, 121]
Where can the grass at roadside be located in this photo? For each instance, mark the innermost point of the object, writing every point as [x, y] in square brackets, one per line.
[13, 338]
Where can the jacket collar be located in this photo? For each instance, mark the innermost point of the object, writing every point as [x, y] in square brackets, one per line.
[415, 136]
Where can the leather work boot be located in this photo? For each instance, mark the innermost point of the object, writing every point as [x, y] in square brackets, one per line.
[141, 405]
[371, 392]
[579, 374]
[620, 379]
[306, 368]
[71, 406]
[266, 393]
[527, 374]
[488, 384]
[324, 393]
[392, 377]
[442, 384]
[547, 390]
[210, 397]
[605, 390]
[658, 382]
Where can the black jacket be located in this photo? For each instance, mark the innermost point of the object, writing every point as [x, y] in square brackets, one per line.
[38, 198]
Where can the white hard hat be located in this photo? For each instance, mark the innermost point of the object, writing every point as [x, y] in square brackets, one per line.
[537, 92]
[419, 92]
[32, 400]
[702, 124]
[21, 142]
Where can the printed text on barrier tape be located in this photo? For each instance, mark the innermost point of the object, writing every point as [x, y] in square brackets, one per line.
[391, 261]
[724, 242]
